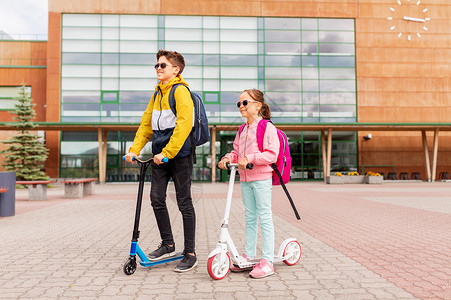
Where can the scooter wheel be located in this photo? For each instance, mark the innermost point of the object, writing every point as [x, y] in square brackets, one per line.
[292, 252]
[217, 270]
[130, 266]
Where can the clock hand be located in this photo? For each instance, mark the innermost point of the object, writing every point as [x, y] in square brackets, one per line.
[414, 19]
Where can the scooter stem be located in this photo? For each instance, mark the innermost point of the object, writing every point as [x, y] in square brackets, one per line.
[229, 194]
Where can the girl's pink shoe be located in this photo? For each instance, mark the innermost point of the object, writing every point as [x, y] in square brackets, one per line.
[262, 269]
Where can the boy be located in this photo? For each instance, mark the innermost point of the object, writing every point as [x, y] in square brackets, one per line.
[171, 139]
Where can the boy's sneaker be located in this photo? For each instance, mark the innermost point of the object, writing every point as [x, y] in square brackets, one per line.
[262, 269]
[163, 251]
[234, 268]
[188, 262]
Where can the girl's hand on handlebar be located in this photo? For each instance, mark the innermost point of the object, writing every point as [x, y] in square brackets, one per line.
[243, 163]
[223, 163]
[129, 157]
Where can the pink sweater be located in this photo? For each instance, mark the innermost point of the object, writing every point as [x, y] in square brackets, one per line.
[245, 145]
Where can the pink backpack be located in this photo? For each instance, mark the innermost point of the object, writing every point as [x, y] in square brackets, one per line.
[283, 163]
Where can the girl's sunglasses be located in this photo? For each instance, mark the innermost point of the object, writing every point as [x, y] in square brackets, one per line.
[162, 65]
[244, 103]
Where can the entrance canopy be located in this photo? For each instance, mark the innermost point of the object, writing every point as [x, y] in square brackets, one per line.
[103, 128]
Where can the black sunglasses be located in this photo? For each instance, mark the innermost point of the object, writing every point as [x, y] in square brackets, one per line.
[244, 102]
[162, 65]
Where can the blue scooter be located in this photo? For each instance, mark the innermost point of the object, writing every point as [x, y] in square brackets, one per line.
[130, 264]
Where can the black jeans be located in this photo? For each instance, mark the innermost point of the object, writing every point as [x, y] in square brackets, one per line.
[180, 169]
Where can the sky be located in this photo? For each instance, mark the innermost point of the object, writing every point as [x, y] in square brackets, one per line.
[24, 16]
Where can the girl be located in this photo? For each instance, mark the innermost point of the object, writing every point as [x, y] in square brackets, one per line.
[256, 184]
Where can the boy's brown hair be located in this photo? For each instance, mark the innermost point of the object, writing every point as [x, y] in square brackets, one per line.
[174, 57]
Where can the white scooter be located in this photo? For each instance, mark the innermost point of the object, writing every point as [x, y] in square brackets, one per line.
[219, 260]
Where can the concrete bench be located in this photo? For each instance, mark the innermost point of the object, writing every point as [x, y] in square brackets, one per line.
[37, 189]
[77, 188]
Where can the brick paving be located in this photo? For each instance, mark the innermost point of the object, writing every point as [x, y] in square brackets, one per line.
[389, 241]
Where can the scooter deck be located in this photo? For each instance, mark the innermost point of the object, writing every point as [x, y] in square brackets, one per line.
[150, 263]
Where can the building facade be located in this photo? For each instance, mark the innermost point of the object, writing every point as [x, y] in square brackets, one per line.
[318, 62]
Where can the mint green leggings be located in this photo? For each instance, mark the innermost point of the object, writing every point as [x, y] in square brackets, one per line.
[257, 207]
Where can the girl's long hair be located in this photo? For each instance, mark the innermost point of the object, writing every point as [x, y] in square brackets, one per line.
[257, 95]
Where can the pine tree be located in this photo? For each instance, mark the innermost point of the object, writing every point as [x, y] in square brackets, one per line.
[25, 154]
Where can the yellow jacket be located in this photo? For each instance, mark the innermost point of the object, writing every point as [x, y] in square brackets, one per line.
[170, 132]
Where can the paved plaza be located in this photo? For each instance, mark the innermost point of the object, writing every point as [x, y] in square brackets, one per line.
[389, 241]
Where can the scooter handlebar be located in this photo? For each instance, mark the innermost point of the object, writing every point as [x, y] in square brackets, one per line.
[134, 158]
[249, 166]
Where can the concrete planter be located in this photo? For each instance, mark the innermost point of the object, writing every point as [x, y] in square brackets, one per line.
[334, 180]
[374, 179]
[354, 179]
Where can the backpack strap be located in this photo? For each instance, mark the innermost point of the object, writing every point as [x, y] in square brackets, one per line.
[172, 97]
[261, 128]
[174, 110]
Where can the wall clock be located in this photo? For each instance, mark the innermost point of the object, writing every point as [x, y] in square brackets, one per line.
[408, 18]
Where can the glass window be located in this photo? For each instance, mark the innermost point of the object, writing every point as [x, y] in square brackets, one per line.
[109, 96]
[110, 46]
[211, 35]
[146, 34]
[81, 58]
[110, 20]
[81, 46]
[337, 85]
[283, 85]
[310, 24]
[183, 34]
[338, 98]
[134, 97]
[283, 60]
[192, 72]
[238, 23]
[109, 59]
[238, 35]
[80, 84]
[287, 72]
[138, 47]
[185, 47]
[81, 33]
[282, 36]
[80, 71]
[343, 49]
[282, 48]
[337, 73]
[80, 96]
[240, 72]
[277, 98]
[80, 20]
[210, 22]
[138, 59]
[136, 84]
[110, 33]
[309, 36]
[283, 23]
[137, 72]
[337, 61]
[238, 60]
[211, 72]
[238, 48]
[311, 98]
[336, 37]
[138, 21]
[183, 22]
[237, 85]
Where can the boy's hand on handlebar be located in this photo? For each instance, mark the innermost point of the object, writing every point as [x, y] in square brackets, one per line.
[158, 159]
[223, 163]
[129, 157]
[243, 163]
